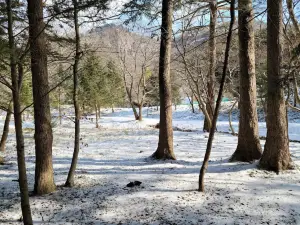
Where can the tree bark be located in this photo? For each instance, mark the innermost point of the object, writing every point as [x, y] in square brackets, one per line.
[70, 179]
[276, 155]
[6, 128]
[296, 90]
[230, 120]
[136, 115]
[59, 106]
[97, 118]
[219, 100]
[191, 100]
[248, 148]
[25, 205]
[210, 104]
[165, 143]
[99, 111]
[140, 112]
[44, 179]
[290, 7]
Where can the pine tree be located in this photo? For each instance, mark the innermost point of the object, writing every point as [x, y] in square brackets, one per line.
[249, 148]
[44, 178]
[165, 143]
[276, 155]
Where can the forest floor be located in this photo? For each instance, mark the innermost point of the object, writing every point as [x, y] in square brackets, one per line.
[118, 153]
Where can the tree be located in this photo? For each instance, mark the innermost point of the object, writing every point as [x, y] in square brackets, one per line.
[6, 127]
[74, 13]
[6, 94]
[165, 143]
[26, 92]
[289, 4]
[16, 83]
[58, 94]
[115, 88]
[211, 79]
[71, 174]
[44, 179]
[192, 66]
[219, 99]
[249, 148]
[93, 88]
[137, 55]
[100, 84]
[276, 156]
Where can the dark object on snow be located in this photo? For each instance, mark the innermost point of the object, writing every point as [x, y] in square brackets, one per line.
[135, 183]
[131, 184]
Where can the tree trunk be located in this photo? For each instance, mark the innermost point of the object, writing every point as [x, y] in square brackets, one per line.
[25, 206]
[192, 103]
[219, 100]
[59, 106]
[296, 90]
[96, 109]
[290, 7]
[276, 155]
[6, 128]
[210, 104]
[230, 120]
[99, 111]
[136, 116]
[83, 108]
[24, 116]
[140, 112]
[248, 148]
[70, 179]
[165, 143]
[44, 179]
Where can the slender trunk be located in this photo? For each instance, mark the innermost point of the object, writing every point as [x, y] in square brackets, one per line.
[99, 111]
[59, 106]
[230, 120]
[25, 205]
[83, 108]
[70, 179]
[192, 103]
[210, 104]
[112, 109]
[130, 101]
[293, 17]
[276, 155]
[44, 179]
[96, 109]
[6, 128]
[219, 100]
[165, 143]
[296, 90]
[136, 116]
[135, 113]
[140, 112]
[248, 148]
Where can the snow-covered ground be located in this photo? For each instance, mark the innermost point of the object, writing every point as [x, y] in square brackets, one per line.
[118, 153]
